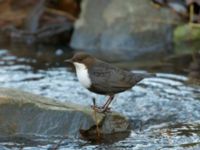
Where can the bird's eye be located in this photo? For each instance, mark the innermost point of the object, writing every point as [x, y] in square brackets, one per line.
[79, 59]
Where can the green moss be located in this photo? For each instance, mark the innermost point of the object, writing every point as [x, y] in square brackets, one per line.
[186, 38]
[185, 32]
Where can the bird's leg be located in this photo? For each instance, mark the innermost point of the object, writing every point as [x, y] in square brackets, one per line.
[105, 107]
[94, 103]
[108, 101]
[94, 106]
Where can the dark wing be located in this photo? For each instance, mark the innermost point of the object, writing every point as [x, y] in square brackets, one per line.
[107, 79]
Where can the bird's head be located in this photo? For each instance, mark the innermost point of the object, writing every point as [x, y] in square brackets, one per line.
[81, 58]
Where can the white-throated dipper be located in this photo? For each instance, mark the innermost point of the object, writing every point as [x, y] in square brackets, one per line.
[103, 78]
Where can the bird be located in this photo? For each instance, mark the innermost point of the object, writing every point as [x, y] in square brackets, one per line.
[103, 78]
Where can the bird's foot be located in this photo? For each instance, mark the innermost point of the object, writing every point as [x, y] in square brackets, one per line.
[100, 109]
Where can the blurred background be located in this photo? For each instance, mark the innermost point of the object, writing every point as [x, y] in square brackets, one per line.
[153, 34]
[160, 36]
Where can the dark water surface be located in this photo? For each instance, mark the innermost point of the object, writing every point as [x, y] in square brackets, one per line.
[164, 111]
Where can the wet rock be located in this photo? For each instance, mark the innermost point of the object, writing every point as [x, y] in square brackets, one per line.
[194, 70]
[123, 30]
[23, 113]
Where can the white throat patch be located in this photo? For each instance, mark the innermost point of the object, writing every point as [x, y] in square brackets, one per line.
[82, 74]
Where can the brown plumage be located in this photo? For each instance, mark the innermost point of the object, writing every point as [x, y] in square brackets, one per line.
[105, 78]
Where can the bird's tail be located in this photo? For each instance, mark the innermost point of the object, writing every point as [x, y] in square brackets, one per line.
[147, 75]
[138, 76]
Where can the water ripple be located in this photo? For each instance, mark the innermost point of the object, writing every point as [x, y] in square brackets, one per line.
[165, 107]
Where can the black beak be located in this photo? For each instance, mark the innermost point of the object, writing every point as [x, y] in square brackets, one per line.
[68, 61]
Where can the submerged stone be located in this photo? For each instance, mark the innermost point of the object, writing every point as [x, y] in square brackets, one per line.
[26, 114]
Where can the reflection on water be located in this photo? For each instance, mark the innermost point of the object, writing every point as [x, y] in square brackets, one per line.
[164, 111]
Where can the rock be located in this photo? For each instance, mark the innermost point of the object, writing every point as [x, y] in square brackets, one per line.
[123, 30]
[23, 113]
[194, 69]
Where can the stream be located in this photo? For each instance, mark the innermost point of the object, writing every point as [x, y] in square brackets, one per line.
[164, 111]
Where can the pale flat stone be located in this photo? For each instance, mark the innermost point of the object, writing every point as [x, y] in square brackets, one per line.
[23, 113]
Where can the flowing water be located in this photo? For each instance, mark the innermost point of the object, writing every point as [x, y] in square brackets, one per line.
[164, 111]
